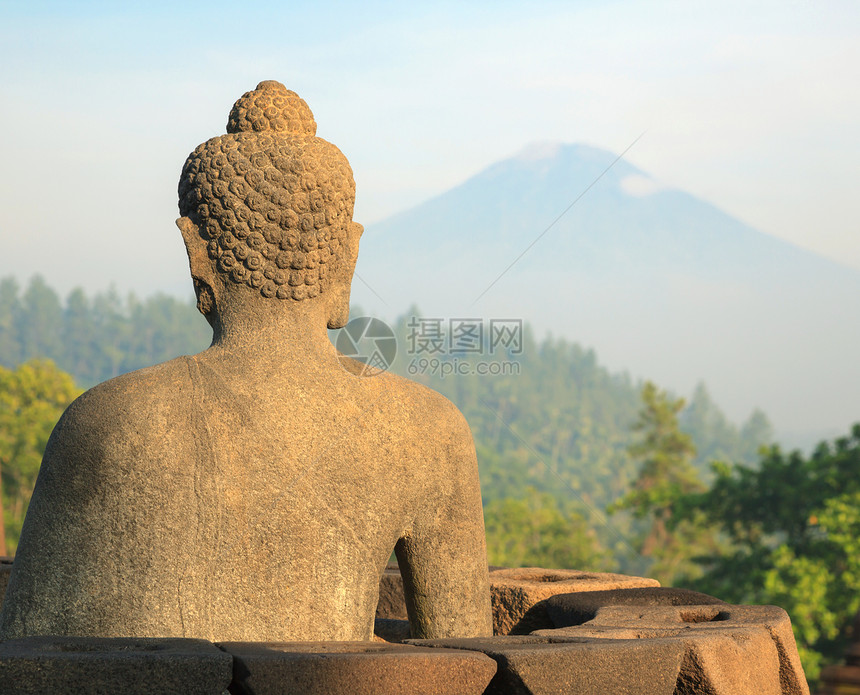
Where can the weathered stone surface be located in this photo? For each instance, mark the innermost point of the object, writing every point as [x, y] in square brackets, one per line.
[713, 649]
[392, 602]
[255, 491]
[732, 661]
[5, 571]
[518, 594]
[565, 610]
[41, 665]
[358, 668]
[771, 618]
[729, 647]
[543, 666]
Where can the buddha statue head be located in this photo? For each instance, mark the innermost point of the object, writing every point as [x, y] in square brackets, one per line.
[267, 210]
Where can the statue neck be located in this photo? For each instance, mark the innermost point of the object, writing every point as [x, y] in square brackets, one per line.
[275, 331]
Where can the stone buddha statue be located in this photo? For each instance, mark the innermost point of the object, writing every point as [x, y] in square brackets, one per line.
[256, 490]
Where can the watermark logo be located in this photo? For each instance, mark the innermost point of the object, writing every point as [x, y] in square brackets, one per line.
[464, 346]
[443, 368]
[369, 341]
[463, 336]
[434, 346]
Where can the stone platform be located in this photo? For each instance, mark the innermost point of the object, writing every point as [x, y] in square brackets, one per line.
[641, 640]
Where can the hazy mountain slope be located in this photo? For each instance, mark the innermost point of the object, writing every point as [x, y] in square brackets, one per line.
[657, 281]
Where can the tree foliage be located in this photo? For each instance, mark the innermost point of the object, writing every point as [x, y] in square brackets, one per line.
[32, 398]
[535, 530]
[665, 454]
[95, 338]
[793, 526]
[717, 439]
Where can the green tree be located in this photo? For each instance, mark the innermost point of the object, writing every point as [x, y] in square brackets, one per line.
[79, 335]
[32, 398]
[10, 309]
[40, 321]
[536, 530]
[794, 526]
[756, 433]
[666, 455]
[716, 438]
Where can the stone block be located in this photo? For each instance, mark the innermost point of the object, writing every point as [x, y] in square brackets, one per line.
[358, 668]
[391, 604]
[565, 610]
[733, 661]
[771, 618]
[96, 665]
[517, 594]
[543, 666]
[730, 649]
[5, 571]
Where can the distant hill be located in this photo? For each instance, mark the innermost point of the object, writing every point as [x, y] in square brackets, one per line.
[657, 281]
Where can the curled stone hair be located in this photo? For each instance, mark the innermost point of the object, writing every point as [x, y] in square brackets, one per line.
[272, 200]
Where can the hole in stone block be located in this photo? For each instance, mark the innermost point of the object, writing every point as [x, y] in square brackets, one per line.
[702, 614]
[534, 577]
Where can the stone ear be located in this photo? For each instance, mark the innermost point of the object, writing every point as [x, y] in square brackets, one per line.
[205, 297]
[198, 259]
[191, 236]
[202, 272]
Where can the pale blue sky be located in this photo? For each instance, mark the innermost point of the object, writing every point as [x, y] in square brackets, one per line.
[754, 107]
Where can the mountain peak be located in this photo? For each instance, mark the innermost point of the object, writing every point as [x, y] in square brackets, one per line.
[641, 185]
[541, 149]
[561, 157]
[660, 282]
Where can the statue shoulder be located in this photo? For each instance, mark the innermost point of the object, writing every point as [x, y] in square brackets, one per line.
[133, 406]
[430, 411]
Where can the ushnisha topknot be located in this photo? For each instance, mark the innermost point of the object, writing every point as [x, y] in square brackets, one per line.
[272, 201]
[272, 107]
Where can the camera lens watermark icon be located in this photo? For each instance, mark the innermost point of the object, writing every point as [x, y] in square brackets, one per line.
[369, 341]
